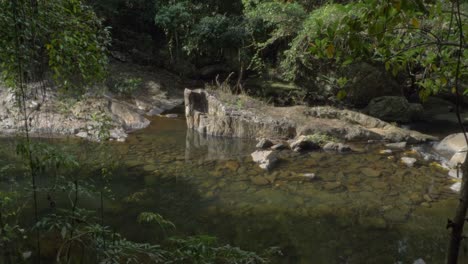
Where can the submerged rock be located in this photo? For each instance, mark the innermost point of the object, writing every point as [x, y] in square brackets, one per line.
[259, 180]
[398, 145]
[369, 172]
[265, 158]
[408, 161]
[340, 147]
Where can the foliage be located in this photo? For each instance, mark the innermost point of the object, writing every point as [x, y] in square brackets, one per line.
[126, 86]
[270, 23]
[63, 36]
[215, 34]
[154, 218]
[204, 250]
[404, 36]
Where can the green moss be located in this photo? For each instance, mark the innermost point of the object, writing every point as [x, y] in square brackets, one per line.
[321, 139]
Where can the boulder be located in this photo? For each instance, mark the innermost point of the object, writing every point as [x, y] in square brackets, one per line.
[394, 109]
[452, 143]
[303, 143]
[264, 143]
[340, 147]
[367, 82]
[265, 158]
[128, 117]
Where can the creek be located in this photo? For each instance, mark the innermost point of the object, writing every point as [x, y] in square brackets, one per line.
[363, 207]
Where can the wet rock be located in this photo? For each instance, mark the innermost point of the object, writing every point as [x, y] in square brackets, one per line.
[155, 111]
[416, 198]
[303, 143]
[271, 177]
[265, 158]
[452, 144]
[399, 145]
[408, 161]
[309, 176]
[264, 143]
[279, 146]
[150, 167]
[426, 204]
[369, 172]
[333, 186]
[373, 222]
[171, 115]
[457, 158]
[259, 180]
[340, 147]
[396, 215]
[232, 165]
[386, 151]
[456, 187]
[454, 173]
[427, 198]
[118, 134]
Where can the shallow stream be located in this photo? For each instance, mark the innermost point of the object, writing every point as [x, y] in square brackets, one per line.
[363, 207]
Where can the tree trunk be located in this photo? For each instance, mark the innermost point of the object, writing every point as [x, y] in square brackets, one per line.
[458, 221]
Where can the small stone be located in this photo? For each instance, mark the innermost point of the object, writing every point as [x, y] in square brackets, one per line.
[399, 145]
[386, 151]
[408, 161]
[427, 198]
[419, 261]
[309, 176]
[371, 172]
[329, 186]
[82, 134]
[426, 204]
[264, 143]
[232, 165]
[172, 115]
[271, 177]
[259, 180]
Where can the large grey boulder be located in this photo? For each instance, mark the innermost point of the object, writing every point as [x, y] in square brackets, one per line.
[265, 158]
[218, 114]
[454, 147]
[394, 108]
[130, 119]
[367, 82]
[452, 143]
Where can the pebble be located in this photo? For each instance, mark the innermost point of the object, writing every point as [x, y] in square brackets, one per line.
[408, 161]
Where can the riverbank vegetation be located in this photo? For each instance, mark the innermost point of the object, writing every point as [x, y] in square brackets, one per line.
[285, 52]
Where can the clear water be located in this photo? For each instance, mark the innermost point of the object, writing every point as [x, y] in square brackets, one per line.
[364, 207]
